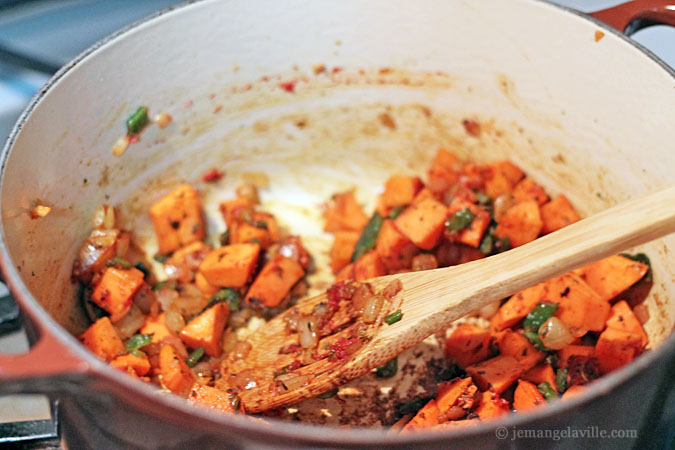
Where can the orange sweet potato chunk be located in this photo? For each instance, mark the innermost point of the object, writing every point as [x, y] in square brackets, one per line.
[230, 265]
[369, 266]
[460, 393]
[579, 306]
[425, 417]
[512, 343]
[424, 194]
[527, 396]
[343, 248]
[503, 177]
[401, 190]
[622, 318]
[175, 374]
[491, 405]
[521, 223]
[443, 171]
[211, 397]
[102, 339]
[611, 276]
[346, 273]
[517, 307]
[138, 366]
[497, 373]
[573, 391]
[344, 213]
[242, 233]
[529, 190]
[473, 234]
[156, 325]
[203, 285]
[178, 219]
[557, 214]
[206, 330]
[564, 354]
[269, 223]
[274, 281]
[184, 260]
[395, 250]
[115, 290]
[616, 348]
[423, 223]
[542, 373]
[237, 210]
[468, 344]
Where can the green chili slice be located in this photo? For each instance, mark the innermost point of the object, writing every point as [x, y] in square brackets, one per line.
[460, 220]
[396, 211]
[118, 262]
[547, 391]
[561, 380]
[539, 314]
[229, 295]
[368, 237]
[329, 394]
[393, 317]
[138, 121]
[388, 369]
[138, 341]
[195, 356]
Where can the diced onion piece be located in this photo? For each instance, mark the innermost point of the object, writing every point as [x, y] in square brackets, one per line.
[361, 295]
[241, 349]
[144, 298]
[166, 297]
[39, 211]
[131, 322]
[239, 318]
[229, 341]
[104, 217]
[489, 310]
[257, 179]
[293, 381]
[249, 192]
[123, 242]
[393, 288]
[291, 319]
[307, 332]
[121, 146]
[641, 313]
[203, 369]
[174, 321]
[372, 308]
[163, 119]
[502, 204]
[555, 334]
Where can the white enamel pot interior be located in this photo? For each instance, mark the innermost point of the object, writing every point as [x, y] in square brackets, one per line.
[594, 119]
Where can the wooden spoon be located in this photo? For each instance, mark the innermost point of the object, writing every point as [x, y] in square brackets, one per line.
[278, 372]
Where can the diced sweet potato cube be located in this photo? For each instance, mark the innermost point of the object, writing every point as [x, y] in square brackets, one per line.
[564, 354]
[515, 344]
[116, 289]
[517, 307]
[102, 339]
[491, 405]
[242, 233]
[529, 190]
[504, 176]
[521, 223]
[527, 396]
[459, 393]
[368, 266]
[496, 373]
[425, 417]
[236, 210]
[175, 374]
[542, 373]
[616, 348]
[622, 318]
[343, 248]
[156, 326]
[184, 262]
[473, 234]
[178, 219]
[230, 265]
[423, 223]
[395, 250]
[346, 273]
[211, 397]
[268, 222]
[423, 195]
[443, 171]
[206, 329]
[468, 344]
[557, 214]
[135, 365]
[573, 391]
[611, 276]
[401, 190]
[274, 281]
[344, 213]
[579, 306]
[203, 285]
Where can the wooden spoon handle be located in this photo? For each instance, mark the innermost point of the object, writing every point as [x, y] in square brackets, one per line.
[433, 299]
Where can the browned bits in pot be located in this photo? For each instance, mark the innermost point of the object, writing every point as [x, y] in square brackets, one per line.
[393, 288]
[39, 211]
[318, 68]
[121, 146]
[641, 312]
[471, 127]
[387, 121]
[257, 179]
[249, 192]
[598, 35]
[424, 262]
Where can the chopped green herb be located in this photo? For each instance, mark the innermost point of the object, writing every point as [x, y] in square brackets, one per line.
[140, 266]
[260, 224]
[486, 244]
[561, 380]
[547, 391]
[329, 394]
[644, 259]
[483, 199]
[501, 245]
[460, 220]
[396, 211]
[137, 121]
[160, 258]
[195, 356]
[166, 284]
[535, 340]
[137, 353]
[225, 237]
[539, 314]
[393, 317]
[118, 262]
[387, 370]
[229, 295]
[368, 237]
[138, 341]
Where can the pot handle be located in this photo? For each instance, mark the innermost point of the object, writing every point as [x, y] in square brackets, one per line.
[632, 16]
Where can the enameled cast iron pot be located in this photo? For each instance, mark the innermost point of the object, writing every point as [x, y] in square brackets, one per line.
[580, 107]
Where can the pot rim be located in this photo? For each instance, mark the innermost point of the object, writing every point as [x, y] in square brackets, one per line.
[311, 434]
